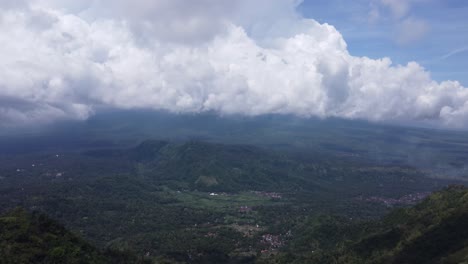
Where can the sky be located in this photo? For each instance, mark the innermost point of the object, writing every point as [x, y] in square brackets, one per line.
[433, 33]
[397, 61]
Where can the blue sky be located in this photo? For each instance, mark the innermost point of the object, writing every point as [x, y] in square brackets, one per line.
[372, 28]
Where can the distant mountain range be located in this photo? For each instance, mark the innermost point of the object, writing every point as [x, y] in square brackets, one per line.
[442, 154]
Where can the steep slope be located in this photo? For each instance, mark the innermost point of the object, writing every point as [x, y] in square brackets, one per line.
[434, 231]
[34, 238]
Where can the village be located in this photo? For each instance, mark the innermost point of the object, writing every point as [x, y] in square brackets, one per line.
[409, 199]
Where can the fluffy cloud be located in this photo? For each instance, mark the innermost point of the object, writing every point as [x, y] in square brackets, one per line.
[63, 59]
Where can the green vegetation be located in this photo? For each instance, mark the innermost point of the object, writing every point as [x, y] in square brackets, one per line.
[34, 238]
[199, 202]
[434, 231]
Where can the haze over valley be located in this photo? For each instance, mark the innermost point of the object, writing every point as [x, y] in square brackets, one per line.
[277, 131]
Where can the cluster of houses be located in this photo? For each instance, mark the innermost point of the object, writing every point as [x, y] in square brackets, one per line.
[272, 241]
[409, 199]
[211, 234]
[245, 209]
[272, 195]
[47, 174]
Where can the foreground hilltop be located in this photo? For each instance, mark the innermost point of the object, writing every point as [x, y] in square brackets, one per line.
[35, 238]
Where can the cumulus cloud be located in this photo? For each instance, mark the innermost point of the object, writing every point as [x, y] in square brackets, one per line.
[65, 59]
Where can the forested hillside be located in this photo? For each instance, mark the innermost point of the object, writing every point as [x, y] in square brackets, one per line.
[201, 202]
[434, 231]
[34, 238]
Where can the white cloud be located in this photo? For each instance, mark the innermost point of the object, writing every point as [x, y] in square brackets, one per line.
[64, 61]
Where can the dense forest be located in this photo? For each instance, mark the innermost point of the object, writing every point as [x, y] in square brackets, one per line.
[34, 238]
[172, 201]
[433, 231]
